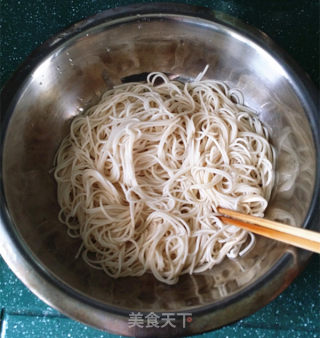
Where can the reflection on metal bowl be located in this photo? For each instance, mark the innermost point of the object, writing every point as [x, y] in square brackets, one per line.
[68, 74]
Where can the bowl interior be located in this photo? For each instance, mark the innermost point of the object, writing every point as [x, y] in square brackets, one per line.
[73, 76]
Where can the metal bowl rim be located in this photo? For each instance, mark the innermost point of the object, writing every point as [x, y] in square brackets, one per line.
[12, 89]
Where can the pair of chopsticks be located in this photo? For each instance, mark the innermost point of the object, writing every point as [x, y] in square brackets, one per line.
[302, 238]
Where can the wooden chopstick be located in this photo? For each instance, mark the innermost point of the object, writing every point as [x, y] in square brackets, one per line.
[302, 238]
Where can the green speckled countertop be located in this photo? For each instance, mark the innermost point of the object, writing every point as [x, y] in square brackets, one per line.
[294, 25]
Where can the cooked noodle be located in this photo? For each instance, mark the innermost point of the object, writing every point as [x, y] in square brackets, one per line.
[141, 174]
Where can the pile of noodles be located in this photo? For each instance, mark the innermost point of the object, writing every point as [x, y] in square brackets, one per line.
[141, 174]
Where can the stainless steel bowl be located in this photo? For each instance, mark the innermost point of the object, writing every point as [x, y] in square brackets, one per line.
[68, 74]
